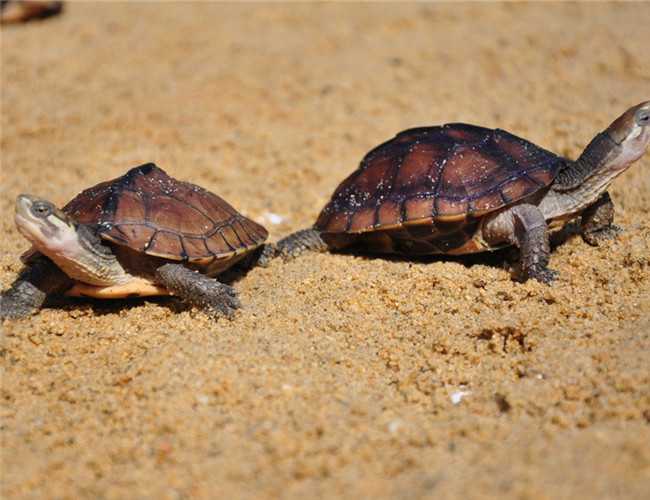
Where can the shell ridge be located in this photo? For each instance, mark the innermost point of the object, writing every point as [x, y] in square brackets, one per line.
[396, 169]
[207, 250]
[236, 231]
[509, 158]
[225, 240]
[169, 194]
[535, 181]
[244, 226]
[147, 214]
[184, 254]
[117, 187]
[348, 223]
[108, 209]
[506, 199]
[252, 230]
[150, 243]
[403, 212]
[216, 228]
[436, 187]
[526, 171]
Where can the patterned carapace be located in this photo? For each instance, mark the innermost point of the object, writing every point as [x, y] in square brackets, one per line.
[151, 212]
[422, 191]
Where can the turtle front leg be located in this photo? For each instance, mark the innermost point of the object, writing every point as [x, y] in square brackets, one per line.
[524, 226]
[307, 240]
[32, 287]
[597, 220]
[198, 289]
[531, 236]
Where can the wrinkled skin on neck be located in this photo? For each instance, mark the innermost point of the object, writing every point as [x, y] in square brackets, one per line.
[607, 156]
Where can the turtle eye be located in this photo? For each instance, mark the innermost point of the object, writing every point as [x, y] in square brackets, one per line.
[41, 209]
[642, 117]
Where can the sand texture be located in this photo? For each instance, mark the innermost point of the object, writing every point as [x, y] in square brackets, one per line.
[343, 376]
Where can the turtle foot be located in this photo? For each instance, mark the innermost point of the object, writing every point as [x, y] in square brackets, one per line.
[28, 293]
[222, 300]
[21, 300]
[199, 290]
[543, 275]
[596, 238]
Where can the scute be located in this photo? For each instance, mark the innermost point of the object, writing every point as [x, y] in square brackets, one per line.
[153, 213]
[450, 172]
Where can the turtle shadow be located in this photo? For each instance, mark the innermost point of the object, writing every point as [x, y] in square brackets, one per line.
[497, 258]
[560, 236]
[504, 258]
[105, 307]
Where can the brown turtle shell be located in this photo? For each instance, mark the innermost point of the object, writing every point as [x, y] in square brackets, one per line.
[150, 212]
[432, 184]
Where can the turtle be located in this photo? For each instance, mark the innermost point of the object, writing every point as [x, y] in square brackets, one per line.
[20, 11]
[459, 189]
[144, 233]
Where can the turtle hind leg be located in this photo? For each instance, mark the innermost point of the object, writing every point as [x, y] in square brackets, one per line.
[597, 220]
[199, 289]
[294, 245]
[28, 293]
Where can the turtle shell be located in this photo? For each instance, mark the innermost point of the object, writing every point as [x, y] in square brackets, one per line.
[428, 187]
[150, 212]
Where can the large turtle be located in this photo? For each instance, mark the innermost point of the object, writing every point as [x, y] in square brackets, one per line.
[459, 189]
[144, 233]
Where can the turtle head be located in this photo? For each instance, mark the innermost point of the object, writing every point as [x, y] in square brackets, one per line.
[70, 245]
[608, 155]
[45, 226]
[631, 132]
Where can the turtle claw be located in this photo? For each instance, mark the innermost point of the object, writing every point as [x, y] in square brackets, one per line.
[224, 301]
[596, 238]
[545, 275]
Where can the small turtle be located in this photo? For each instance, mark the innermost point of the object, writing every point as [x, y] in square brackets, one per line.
[459, 189]
[144, 233]
[20, 11]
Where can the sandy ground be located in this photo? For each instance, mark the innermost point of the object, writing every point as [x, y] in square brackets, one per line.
[343, 376]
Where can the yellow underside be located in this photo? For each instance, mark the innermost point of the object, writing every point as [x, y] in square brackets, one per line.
[128, 290]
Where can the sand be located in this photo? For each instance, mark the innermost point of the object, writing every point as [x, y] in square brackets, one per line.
[343, 376]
